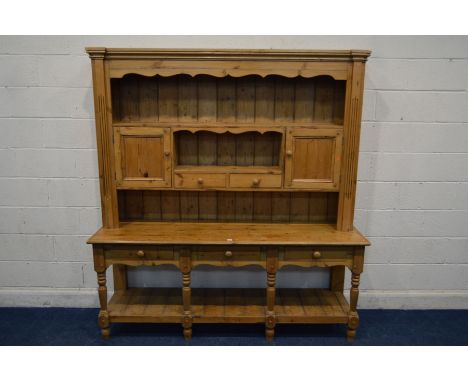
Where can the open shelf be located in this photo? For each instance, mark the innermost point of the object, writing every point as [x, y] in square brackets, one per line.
[227, 148]
[228, 305]
[206, 98]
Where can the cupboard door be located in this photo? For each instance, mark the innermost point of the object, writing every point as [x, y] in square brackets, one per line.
[313, 158]
[143, 157]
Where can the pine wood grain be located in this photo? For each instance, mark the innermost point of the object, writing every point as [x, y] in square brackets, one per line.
[218, 233]
[228, 305]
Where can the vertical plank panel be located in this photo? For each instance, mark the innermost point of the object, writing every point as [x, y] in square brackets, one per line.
[245, 114]
[276, 146]
[207, 206]
[299, 207]
[152, 205]
[121, 195]
[323, 109]
[318, 207]
[332, 207]
[187, 148]
[284, 100]
[262, 206]
[245, 149]
[245, 97]
[304, 100]
[130, 99]
[264, 100]
[188, 206]
[207, 99]
[226, 206]
[149, 110]
[168, 98]
[207, 148]
[226, 100]
[339, 102]
[134, 205]
[170, 206]
[280, 206]
[115, 97]
[226, 113]
[188, 104]
[226, 155]
[263, 149]
[244, 206]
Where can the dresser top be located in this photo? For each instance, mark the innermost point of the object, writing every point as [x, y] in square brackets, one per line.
[229, 54]
[171, 233]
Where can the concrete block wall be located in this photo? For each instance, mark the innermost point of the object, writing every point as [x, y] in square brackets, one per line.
[412, 198]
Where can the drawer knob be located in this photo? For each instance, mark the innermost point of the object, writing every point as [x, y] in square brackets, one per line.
[316, 255]
[167, 153]
[289, 153]
[228, 254]
[140, 253]
[200, 180]
[256, 182]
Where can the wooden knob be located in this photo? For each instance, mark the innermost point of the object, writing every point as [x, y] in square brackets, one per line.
[140, 253]
[228, 254]
[316, 255]
[200, 180]
[256, 182]
[167, 153]
[289, 153]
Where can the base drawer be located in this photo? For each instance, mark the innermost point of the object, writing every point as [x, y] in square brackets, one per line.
[227, 255]
[316, 256]
[139, 253]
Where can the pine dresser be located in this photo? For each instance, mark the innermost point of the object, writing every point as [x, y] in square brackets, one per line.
[228, 158]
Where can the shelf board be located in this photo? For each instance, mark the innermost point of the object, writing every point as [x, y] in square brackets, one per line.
[228, 305]
[176, 125]
[250, 169]
[198, 233]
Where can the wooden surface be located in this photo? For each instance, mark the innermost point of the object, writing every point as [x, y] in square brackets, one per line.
[227, 233]
[143, 157]
[228, 305]
[206, 99]
[230, 54]
[221, 206]
[105, 147]
[352, 129]
[313, 158]
[228, 158]
[227, 147]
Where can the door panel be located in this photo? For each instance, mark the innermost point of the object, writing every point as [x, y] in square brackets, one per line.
[313, 158]
[143, 157]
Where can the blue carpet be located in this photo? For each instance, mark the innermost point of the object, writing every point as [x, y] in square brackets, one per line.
[60, 326]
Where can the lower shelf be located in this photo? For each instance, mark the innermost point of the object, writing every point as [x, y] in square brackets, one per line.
[209, 305]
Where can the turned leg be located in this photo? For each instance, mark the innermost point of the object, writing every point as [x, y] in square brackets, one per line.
[100, 268]
[272, 267]
[353, 317]
[185, 267]
[356, 270]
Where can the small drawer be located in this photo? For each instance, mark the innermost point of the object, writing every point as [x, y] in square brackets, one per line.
[199, 180]
[255, 180]
[310, 256]
[227, 255]
[140, 253]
